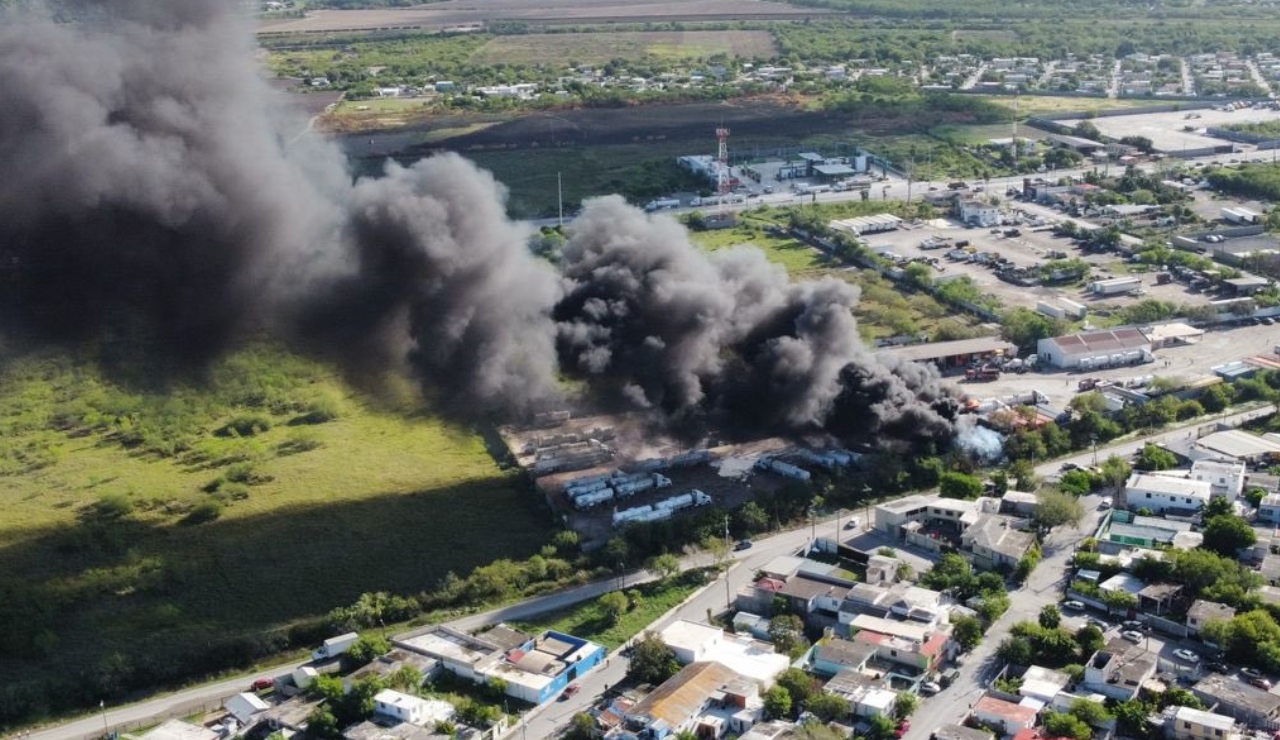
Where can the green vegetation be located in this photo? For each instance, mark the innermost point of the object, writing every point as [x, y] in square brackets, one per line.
[953, 572]
[1053, 647]
[1260, 181]
[144, 548]
[1251, 638]
[640, 607]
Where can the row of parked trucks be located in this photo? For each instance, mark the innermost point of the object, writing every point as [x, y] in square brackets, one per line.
[586, 493]
[663, 509]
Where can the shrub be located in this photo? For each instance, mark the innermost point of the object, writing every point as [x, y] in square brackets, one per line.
[205, 511]
[245, 425]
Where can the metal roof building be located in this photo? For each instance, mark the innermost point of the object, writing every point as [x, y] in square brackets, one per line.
[1097, 349]
[957, 351]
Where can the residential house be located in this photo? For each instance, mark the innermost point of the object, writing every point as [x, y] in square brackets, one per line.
[709, 699]
[697, 643]
[815, 595]
[384, 666]
[292, 715]
[996, 541]
[1005, 716]
[1019, 503]
[1202, 612]
[415, 710]
[1166, 494]
[245, 707]
[918, 604]
[1185, 723]
[1127, 528]
[1043, 684]
[746, 623]
[1224, 478]
[534, 669]
[1119, 669]
[960, 732]
[908, 643]
[1158, 598]
[833, 655]
[370, 730]
[1269, 509]
[893, 517]
[1237, 699]
[176, 729]
[758, 597]
[867, 696]
[882, 570]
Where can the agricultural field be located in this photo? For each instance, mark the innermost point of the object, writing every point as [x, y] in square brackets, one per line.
[599, 47]
[148, 536]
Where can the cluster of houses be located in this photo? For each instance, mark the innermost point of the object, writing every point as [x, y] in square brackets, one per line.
[1223, 73]
[1152, 74]
[531, 668]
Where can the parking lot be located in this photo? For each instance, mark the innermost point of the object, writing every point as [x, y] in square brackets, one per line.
[1167, 130]
[1031, 247]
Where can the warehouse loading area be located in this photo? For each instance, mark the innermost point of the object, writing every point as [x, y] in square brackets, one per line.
[1167, 131]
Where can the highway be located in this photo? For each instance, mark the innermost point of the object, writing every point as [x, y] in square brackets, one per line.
[1042, 588]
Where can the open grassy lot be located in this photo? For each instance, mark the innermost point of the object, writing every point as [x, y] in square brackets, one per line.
[599, 47]
[799, 258]
[647, 603]
[147, 535]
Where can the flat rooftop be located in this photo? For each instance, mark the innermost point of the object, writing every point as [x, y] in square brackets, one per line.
[942, 350]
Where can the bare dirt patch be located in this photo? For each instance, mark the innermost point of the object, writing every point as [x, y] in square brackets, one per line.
[598, 47]
[463, 12]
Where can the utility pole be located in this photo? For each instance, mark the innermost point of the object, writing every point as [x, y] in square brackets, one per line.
[560, 199]
[728, 594]
[106, 731]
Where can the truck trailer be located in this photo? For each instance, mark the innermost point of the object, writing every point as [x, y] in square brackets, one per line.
[1115, 286]
[784, 469]
[335, 646]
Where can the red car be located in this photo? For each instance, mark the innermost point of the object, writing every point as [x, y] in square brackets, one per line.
[903, 726]
[570, 690]
[263, 683]
[1261, 683]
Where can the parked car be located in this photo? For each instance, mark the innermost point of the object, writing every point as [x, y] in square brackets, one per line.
[1218, 667]
[570, 690]
[1131, 624]
[1075, 605]
[1260, 683]
[1267, 320]
[1104, 504]
[948, 677]
[929, 688]
[903, 727]
[1250, 672]
[1133, 636]
[263, 684]
[1187, 655]
[1067, 466]
[743, 545]
[1101, 624]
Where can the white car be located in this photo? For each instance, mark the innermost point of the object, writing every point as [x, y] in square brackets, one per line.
[1133, 635]
[929, 688]
[1187, 655]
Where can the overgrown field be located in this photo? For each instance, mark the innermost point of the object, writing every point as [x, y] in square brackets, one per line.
[598, 47]
[148, 536]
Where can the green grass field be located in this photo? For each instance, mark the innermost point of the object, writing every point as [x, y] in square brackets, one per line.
[102, 573]
[648, 602]
[600, 47]
[799, 258]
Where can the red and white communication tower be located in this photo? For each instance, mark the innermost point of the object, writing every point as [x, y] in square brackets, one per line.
[722, 164]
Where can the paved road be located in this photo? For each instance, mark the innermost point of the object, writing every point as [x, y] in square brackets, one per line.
[947, 705]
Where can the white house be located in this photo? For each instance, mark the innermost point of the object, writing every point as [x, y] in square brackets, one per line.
[1269, 509]
[693, 642]
[411, 709]
[1005, 716]
[1164, 493]
[1119, 669]
[1185, 723]
[977, 213]
[245, 707]
[1224, 478]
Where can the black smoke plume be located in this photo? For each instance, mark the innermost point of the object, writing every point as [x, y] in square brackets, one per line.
[153, 189]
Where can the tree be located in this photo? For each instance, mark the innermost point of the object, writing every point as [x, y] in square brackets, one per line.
[787, 633]
[1217, 506]
[322, 725]
[1115, 471]
[614, 604]
[827, 707]
[368, 647]
[652, 661]
[882, 728]
[777, 703]
[1155, 458]
[1094, 713]
[1216, 398]
[1057, 508]
[1254, 496]
[1063, 724]
[1076, 482]
[1119, 601]
[1179, 697]
[1025, 327]
[1131, 717]
[1024, 475]
[959, 485]
[663, 566]
[1016, 650]
[967, 632]
[1227, 535]
[751, 518]
[1050, 617]
[1090, 639]
[800, 685]
[905, 705]
[582, 727]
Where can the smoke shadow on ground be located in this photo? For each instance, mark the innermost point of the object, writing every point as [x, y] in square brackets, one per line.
[169, 593]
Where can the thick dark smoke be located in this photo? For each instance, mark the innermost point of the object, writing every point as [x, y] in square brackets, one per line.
[153, 191]
[727, 334]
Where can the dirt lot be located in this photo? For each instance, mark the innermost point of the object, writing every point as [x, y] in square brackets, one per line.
[1166, 129]
[1029, 249]
[594, 48]
[463, 12]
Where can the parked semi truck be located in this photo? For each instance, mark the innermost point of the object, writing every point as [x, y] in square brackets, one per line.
[784, 469]
[335, 646]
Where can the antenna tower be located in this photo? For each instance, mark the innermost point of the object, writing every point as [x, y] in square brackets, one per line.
[722, 164]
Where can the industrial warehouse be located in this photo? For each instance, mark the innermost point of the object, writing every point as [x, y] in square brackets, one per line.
[604, 473]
